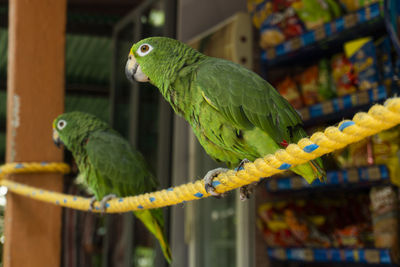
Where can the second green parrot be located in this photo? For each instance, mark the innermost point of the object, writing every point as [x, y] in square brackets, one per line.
[109, 166]
[234, 113]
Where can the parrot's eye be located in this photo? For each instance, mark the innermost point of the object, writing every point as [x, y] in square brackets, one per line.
[144, 49]
[61, 124]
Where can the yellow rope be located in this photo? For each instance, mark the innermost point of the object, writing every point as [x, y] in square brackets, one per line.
[378, 118]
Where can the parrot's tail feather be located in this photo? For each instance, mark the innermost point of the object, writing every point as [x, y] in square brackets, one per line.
[310, 170]
[155, 228]
[320, 172]
[163, 243]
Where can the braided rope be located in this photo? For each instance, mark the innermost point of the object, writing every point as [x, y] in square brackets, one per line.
[378, 118]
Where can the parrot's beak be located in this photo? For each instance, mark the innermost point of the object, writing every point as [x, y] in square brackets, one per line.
[56, 139]
[133, 71]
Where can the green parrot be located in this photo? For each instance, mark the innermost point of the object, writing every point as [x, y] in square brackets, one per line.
[110, 167]
[235, 114]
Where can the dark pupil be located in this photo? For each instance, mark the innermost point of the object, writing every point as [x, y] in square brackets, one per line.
[145, 48]
[61, 124]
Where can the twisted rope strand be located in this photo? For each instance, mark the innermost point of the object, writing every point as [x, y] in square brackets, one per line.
[377, 119]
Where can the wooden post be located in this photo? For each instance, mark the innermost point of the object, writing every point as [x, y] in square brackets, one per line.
[35, 97]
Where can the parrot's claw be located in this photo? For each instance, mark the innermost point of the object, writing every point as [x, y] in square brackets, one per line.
[241, 164]
[247, 190]
[208, 181]
[103, 202]
[92, 201]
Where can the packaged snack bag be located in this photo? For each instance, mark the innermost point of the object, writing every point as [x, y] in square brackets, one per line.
[314, 13]
[273, 226]
[326, 88]
[291, 24]
[384, 50]
[386, 151]
[259, 11]
[288, 89]
[281, 24]
[362, 55]
[353, 5]
[305, 230]
[308, 81]
[384, 206]
[348, 236]
[361, 154]
[270, 33]
[343, 75]
[355, 155]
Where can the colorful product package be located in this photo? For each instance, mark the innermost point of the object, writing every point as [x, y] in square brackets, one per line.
[361, 153]
[384, 207]
[291, 24]
[270, 32]
[386, 148]
[273, 226]
[259, 10]
[353, 5]
[343, 221]
[384, 50]
[326, 88]
[308, 81]
[349, 236]
[362, 55]
[355, 155]
[343, 75]
[288, 89]
[314, 13]
[281, 24]
[306, 230]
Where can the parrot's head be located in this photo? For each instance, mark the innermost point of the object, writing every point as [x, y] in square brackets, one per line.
[157, 60]
[72, 128]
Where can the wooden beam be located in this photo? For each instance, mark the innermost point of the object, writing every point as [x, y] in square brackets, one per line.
[35, 97]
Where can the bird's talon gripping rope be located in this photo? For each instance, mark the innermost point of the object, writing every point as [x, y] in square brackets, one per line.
[91, 204]
[103, 202]
[246, 190]
[208, 181]
[241, 164]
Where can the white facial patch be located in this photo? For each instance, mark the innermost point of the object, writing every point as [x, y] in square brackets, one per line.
[140, 76]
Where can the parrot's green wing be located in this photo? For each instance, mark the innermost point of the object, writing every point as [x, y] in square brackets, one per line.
[246, 99]
[122, 169]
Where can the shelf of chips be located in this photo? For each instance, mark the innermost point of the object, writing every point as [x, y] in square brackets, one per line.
[368, 255]
[354, 176]
[339, 104]
[325, 33]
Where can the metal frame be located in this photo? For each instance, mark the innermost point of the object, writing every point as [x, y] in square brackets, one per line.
[164, 150]
[388, 8]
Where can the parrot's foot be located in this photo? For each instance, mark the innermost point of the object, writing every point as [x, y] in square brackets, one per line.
[241, 164]
[92, 201]
[208, 181]
[103, 202]
[247, 190]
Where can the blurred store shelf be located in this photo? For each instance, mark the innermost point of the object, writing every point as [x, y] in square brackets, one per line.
[366, 21]
[354, 176]
[368, 255]
[342, 107]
